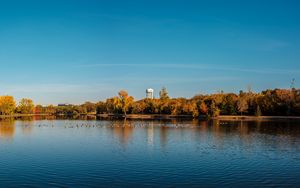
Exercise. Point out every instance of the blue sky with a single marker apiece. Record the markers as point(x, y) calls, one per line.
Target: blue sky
point(72, 51)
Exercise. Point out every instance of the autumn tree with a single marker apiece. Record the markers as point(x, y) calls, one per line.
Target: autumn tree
point(7, 105)
point(38, 109)
point(190, 108)
point(214, 111)
point(242, 105)
point(163, 94)
point(101, 107)
point(139, 107)
point(165, 107)
point(50, 109)
point(151, 106)
point(203, 108)
point(89, 107)
point(258, 111)
point(25, 106)
point(123, 101)
point(110, 105)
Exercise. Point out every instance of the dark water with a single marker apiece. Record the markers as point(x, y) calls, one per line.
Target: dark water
point(100, 153)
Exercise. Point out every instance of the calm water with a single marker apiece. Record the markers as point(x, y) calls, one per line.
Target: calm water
point(101, 153)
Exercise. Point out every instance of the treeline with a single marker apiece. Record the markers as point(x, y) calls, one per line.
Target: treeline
point(8, 106)
point(277, 102)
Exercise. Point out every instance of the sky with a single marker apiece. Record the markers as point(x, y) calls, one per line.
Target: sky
point(67, 51)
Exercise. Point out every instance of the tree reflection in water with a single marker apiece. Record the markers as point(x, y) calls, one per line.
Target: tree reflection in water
point(217, 131)
point(7, 129)
point(123, 130)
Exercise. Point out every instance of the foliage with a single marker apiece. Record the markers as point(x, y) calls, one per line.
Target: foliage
point(89, 107)
point(276, 102)
point(163, 94)
point(25, 106)
point(123, 101)
point(242, 104)
point(7, 105)
point(258, 111)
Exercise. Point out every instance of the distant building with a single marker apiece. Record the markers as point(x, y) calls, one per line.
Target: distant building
point(64, 104)
point(149, 93)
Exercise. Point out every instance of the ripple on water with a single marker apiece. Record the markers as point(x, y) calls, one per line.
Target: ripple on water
point(150, 153)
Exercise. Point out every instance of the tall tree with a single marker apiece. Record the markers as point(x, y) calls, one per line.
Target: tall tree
point(214, 111)
point(124, 101)
point(258, 111)
point(25, 106)
point(7, 105)
point(242, 105)
point(163, 94)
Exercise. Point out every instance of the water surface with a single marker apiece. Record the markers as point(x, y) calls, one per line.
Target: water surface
point(102, 153)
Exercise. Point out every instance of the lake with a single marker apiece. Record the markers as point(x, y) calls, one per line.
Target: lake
point(40, 152)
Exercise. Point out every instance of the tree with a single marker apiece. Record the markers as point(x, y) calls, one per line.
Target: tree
point(258, 111)
point(39, 109)
point(124, 101)
point(25, 106)
point(163, 94)
point(110, 105)
point(214, 111)
point(50, 109)
point(242, 105)
point(203, 108)
point(7, 105)
point(90, 107)
point(190, 108)
point(101, 108)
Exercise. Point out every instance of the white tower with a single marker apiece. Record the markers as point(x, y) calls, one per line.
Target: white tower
point(149, 93)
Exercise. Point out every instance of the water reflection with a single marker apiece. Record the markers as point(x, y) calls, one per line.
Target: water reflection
point(87, 152)
point(150, 133)
point(26, 127)
point(124, 129)
point(163, 136)
point(7, 129)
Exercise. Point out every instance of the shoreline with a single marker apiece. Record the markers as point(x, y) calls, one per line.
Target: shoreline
point(165, 117)
point(146, 116)
point(190, 117)
point(22, 115)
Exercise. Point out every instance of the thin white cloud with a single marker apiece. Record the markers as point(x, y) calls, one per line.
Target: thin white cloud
point(177, 80)
point(55, 88)
point(193, 66)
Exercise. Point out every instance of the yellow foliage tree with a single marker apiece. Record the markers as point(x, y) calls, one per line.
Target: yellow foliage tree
point(7, 105)
point(124, 101)
point(25, 106)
